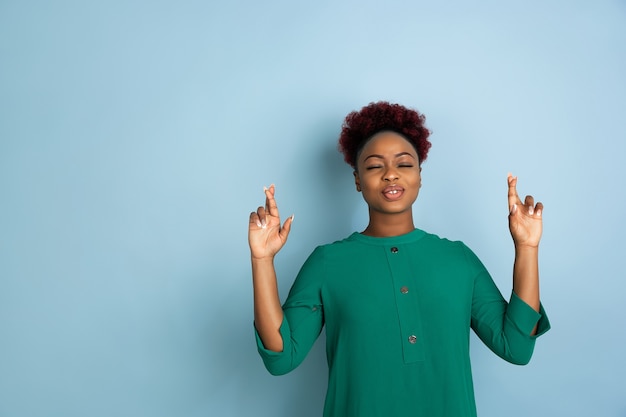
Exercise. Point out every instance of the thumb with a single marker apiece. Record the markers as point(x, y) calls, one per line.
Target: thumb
point(284, 231)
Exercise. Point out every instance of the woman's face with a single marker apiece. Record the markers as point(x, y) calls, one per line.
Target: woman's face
point(388, 173)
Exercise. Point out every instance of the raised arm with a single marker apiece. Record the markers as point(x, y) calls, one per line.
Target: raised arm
point(525, 225)
point(266, 237)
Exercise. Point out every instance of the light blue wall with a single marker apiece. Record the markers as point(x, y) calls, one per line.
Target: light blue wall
point(136, 137)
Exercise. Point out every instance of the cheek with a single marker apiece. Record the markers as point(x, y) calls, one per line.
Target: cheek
point(367, 181)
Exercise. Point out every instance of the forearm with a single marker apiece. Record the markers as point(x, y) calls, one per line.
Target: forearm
point(526, 276)
point(268, 314)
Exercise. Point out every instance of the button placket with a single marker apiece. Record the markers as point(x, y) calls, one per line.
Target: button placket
point(409, 316)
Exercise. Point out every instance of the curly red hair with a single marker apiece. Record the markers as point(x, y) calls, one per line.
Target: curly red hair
point(359, 127)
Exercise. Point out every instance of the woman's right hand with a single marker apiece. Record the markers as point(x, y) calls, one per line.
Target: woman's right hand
point(265, 234)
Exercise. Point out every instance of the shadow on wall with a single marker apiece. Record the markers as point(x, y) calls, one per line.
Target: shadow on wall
point(324, 199)
point(328, 197)
point(319, 188)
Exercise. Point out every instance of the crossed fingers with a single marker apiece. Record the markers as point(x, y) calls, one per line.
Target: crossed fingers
point(271, 208)
point(529, 205)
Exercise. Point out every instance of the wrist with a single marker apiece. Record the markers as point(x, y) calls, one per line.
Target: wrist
point(268, 259)
point(526, 248)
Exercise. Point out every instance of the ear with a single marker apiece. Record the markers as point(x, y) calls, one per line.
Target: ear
point(420, 176)
point(357, 181)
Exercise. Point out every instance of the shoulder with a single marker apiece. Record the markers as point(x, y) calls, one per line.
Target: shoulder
point(435, 242)
point(331, 250)
point(338, 247)
point(459, 251)
point(445, 252)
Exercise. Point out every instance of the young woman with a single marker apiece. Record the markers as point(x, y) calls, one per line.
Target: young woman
point(397, 302)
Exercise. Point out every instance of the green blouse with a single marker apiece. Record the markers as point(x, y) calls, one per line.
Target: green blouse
point(397, 312)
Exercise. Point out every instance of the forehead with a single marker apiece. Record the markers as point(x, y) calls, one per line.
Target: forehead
point(388, 142)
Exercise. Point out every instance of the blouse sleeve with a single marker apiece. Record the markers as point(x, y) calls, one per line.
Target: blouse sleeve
point(303, 318)
point(504, 327)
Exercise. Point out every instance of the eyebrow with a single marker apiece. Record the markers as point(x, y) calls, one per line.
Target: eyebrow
point(398, 155)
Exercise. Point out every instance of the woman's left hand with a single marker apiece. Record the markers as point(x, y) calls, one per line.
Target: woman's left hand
point(525, 221)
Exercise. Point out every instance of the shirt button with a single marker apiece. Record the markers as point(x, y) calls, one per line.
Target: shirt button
point(394, 250)
point(412, 339)
point(404, 290)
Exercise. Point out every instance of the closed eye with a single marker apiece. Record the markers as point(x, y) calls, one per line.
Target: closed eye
point(373, 167)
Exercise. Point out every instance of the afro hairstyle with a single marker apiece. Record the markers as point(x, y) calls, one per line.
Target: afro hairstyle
point(360, 126)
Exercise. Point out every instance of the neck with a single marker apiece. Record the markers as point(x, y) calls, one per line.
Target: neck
point(389, 225)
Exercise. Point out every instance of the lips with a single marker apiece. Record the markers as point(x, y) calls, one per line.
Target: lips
point(393, 192)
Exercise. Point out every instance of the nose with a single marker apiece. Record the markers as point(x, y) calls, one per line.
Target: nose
point(391, 175)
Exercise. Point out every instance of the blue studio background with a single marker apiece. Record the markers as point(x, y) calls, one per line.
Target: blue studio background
point(136, 137)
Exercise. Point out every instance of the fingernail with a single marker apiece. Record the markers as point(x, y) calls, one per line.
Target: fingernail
point(538, 213)
point(531, 210)
point(514, 208)
point(259, 224)
point(293, 216)
point(264, 188)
